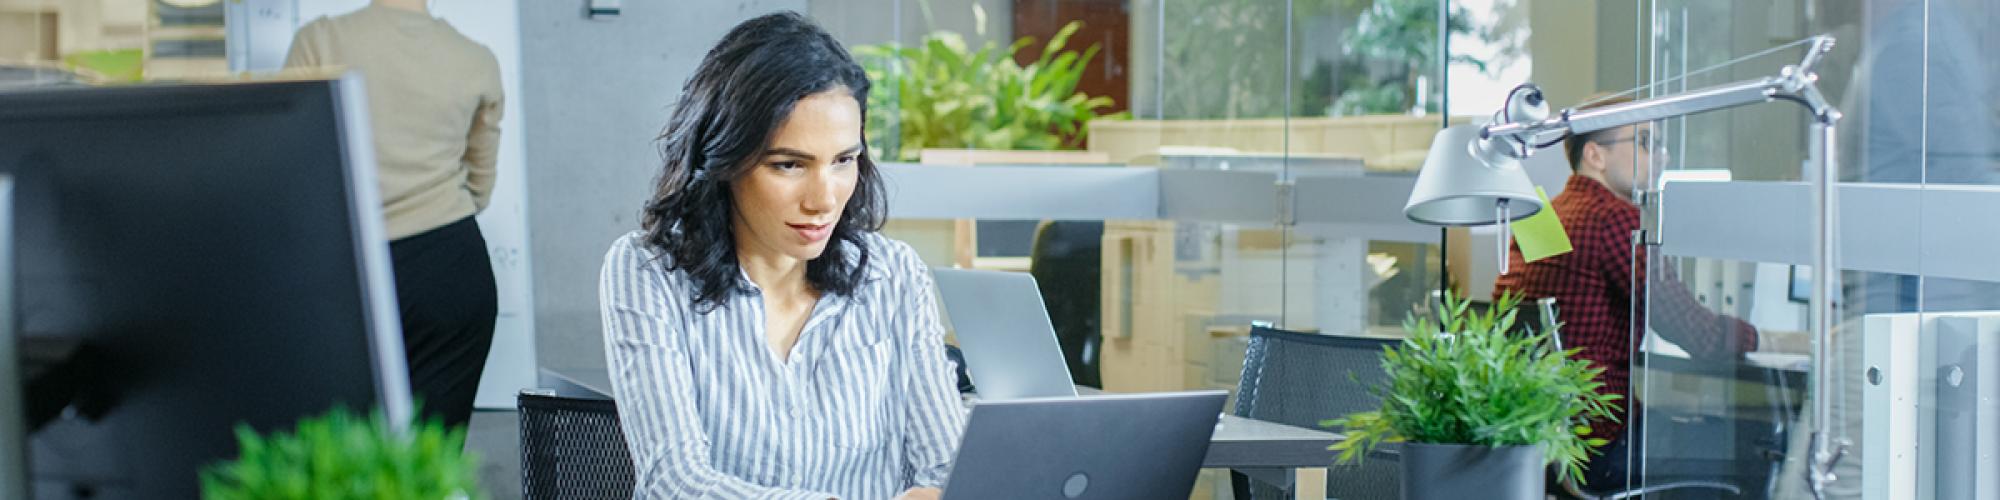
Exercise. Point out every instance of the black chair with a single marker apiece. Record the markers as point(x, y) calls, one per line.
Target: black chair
point(1066, 260)
point(1682, 447)
point(1300, 379)
point(1667, 477)
point(573, 449)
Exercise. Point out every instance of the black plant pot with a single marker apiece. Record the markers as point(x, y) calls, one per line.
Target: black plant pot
point(1456, 471)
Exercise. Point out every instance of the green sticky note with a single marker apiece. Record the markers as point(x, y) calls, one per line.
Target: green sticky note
point(1541, 236)
point(128, 65)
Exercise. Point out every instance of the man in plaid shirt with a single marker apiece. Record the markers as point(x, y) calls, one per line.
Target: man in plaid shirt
point(1595, 283)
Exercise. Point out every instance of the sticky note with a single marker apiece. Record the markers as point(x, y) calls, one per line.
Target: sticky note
point(126, 65)
point(1541, 236)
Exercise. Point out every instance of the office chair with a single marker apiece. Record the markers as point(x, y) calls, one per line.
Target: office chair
point(1750, 470)
point(573, 449)
point(1533, 316)
point(1300, 379)
point(1066, 262)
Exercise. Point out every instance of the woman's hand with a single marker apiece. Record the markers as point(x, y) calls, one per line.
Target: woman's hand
point(921, 494)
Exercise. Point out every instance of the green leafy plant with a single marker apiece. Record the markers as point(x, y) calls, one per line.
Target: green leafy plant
point(1471, 378)
point(343, 456)
point(942, 94)
point(1400, 39)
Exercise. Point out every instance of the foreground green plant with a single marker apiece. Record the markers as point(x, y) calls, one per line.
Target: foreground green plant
point(941, 94)
point(343, 456)
point(1473, 379)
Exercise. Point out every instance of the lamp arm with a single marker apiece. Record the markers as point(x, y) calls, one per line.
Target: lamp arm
point(1730, 95)
point(1793, 83)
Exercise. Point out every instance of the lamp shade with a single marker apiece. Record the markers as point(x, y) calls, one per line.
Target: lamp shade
point(1459, 188)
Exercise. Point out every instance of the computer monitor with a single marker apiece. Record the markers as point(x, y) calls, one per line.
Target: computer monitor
point(214, 254)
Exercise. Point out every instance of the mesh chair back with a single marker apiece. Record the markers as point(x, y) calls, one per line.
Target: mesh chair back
point(573, 449)
point(1300, 379)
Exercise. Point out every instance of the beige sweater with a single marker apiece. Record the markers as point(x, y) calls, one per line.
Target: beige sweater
point(434, 103)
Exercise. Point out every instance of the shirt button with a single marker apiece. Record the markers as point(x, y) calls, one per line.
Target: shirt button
point(798, 479)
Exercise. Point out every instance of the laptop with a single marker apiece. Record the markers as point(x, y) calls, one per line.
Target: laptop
point(1119, 446)
point(1002, 327)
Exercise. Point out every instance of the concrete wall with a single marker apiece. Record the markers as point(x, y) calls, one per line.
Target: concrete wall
point(1623, 48)
point(595, 95)
point(1562, 45)
point(860, 22)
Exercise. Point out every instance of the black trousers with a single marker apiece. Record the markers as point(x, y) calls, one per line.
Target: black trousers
point(1608, 471)
point(1617, 468)
point(444, 287)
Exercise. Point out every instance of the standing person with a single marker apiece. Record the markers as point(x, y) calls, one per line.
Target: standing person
point(764, 340)
point(434, 103)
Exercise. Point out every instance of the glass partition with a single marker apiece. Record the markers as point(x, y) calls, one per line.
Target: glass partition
point(1957, 443)
point(1320, 111)
point(1368, 92)
point(1916, 152)
point(1257, 93)
point(1719, 367)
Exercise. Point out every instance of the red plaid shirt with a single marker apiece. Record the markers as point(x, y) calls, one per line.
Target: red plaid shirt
point(1593, 287)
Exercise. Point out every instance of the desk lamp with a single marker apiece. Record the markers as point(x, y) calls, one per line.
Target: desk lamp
point(1474, 170)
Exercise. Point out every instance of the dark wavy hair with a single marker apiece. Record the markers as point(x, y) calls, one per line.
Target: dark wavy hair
point(745, 87)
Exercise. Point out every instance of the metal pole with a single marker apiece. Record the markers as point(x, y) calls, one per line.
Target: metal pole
point(1285, 232)
point(1160, 61)
point(1826, 451)
point(1501, 215)
point(1444, 64)
point(1444, 122)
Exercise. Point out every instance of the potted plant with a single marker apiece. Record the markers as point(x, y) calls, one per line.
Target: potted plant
point(940, 93)
point(343, 456)
point(1480, 406)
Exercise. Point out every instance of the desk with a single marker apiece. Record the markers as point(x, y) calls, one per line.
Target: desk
point(1238, 443)
point(1718, 419)
point(1756, 367)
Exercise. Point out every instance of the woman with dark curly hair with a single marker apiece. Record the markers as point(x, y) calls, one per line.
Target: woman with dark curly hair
point(764, 340)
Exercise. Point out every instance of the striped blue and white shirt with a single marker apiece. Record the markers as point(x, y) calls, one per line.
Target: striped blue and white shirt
point(864, 408)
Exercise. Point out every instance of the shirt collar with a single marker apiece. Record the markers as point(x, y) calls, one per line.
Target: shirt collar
point(402, 17)
point(828, 302)
point(1593, 192)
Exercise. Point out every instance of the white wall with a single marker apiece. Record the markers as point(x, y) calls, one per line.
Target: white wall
point(495, 23)
point(597, 95)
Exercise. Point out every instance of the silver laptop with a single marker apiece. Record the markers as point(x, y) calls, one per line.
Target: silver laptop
point(1136, 446)
point(1010, 347)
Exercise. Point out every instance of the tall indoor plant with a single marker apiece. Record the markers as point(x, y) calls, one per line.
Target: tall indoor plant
point(1481, 406)
point(940, 93)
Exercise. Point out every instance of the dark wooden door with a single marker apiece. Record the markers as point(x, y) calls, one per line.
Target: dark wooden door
point(1105, 22)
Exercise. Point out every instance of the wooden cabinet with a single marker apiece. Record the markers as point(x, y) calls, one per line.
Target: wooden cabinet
point(1149, 311)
